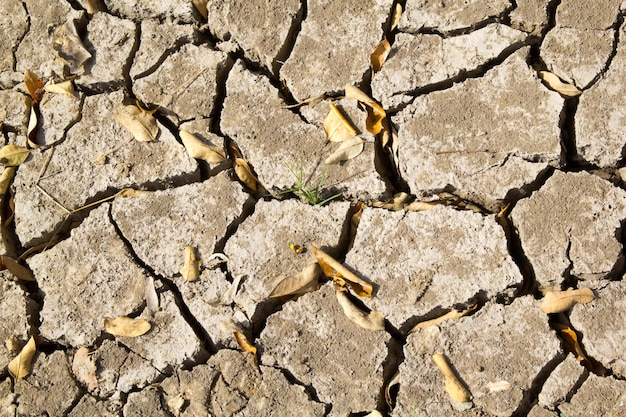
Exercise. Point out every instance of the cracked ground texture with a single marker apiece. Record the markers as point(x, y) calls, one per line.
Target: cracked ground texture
point(486, 192)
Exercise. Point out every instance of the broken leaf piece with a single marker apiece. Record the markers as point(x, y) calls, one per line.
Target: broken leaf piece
point(333, 269)
point(199, 149)
point(374, 320)
point(336, 126)
point(305, 281)
point(126, 327)
point(555, 83)
point(348, 149)
point(498, 386)
point(200, 6)
point(152, 298)
point(398, 202)
point(243, 171)
point(397, 14)
point(559, 301)
point(453, 385)
point(20, 365)
point(19, 271)
point(84, 368)
point(65, 88)
point(70, 47)
point(191, 268)
point(451, 315)
point(34, 85)
point(395, 380)
point(378, 57)
point(375, 113)
point(570, 341)
point(12, 155)
point(6, 178)
point(243, 343)
point(141, 125)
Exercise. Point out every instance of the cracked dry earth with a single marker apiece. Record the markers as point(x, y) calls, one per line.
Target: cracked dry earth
point(493, 190)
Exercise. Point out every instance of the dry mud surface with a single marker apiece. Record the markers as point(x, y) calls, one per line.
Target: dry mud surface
point(487, 192)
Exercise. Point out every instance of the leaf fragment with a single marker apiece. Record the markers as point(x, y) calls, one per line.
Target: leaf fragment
point(556, 84)
point(199, 149)
point(141, 125)
point(498, 386)
point(19, 367)
point(19, 271)
point(84, 368)
point(303, 282)
point(65, 88)
point(152, 298)
point(453, 385)
point(374, 320)
point(244, 173)
point(348, 149)
point(191, 268)
point(333, 269)
point(31, 130)
point(131, 192)
point(243, 343)
point(570, 341)
point(378, 57)
point(126, 327)
point(451, 315)
point(397, 14)
point(559, 301)
point(376, 115)
point(12, 155)
point(34, 85)
point(200, 6)
point(336, 126)
point(6, 178)
point(70, 48)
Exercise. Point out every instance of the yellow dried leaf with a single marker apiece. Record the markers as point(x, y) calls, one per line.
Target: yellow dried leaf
point(422, 205)
point(559, 301)
point(375, 113)
point(348, 149)
point(200, 6)
point(335, 270)
point(191, 268)
point(243, 171)
point(65, 88)
point(34, 85)
point(305, 281)
point(84, 368)
point(6, 178)
point(243, 343)
point(126, 327)
point(570, 341)
point(12, 155)
point(397, 14)
point(378, 57)
point(374, 320)
point(199, 149)
point(555, 83)
point(336, 126)
point(451, 315)
point(453, 385)
point(19, 271)
point(20, 365)
point(141, 125)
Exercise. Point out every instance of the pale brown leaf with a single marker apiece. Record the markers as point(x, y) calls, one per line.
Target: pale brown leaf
point(336, 126)
point(378, 57)
point(451, 315)
point(126, 327)
point(70, 48)
point(348, 149)
point(200, 6)
point(34, 85)
point(243, 343)
point(12, 155)
point(6, 178)
point(333, 269)
point(19, 271)
point(243, 171)
point(555, 83)
point(19, 367)
point(65, 88)
point(199, 149)
point(191, 268)
point(152, 298)
point(374, 320)
point(453, 385)
point(398, 202)
point(376, 115)
point(84, 368)
point(559, 301)
point(303, 282)
point(397, 14)
point(141, 125)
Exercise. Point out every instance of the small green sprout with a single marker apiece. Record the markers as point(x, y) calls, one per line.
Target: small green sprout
point(303, 190)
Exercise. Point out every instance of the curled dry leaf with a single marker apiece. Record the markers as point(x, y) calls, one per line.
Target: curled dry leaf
point(215, 260)
point(348, 149)
point(559, 301)
point(555, 83)
point(243, 343)
point(398, 202)
point(243, 171)
point(395, 380)
point(305, 281)
point(333, 269)
point(376, 115)
point(126, 327)
point(451, 315)
point(374, 320)
point(199, 149)
point(31, 130)
point(65, 88)
point(191, 268)
point(422, 205)
point(152, 298)
point(34, 85)
point(570, 341)
point(141, 125)
point(336, 126)
point(12, 155)
point(397, 14)
point(70, 47)
point(19, 271)
point(453, 385)
point(6, 178)
point(19, 367)
point(84, 368)
point(378, 57)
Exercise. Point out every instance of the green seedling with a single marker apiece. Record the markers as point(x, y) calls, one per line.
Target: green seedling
point(303, 190)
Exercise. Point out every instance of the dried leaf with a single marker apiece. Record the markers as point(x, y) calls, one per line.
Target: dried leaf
point(65, 88)
point(453, 385)
point(395, 380)
point(334, 270)
point(375, 113)
point(305, 281)
point(398, 202)
point(70, 47)
point(94, 6)
point(559, 301)
point(200, 6)
point(12, 155)
point(570, 341)
point(422, 205)
point(20, 365)
point(243, 343)
point(215, 260)
point(374, 320)
point(555, 83)
point(126, 327)
point(152, 298)
point(451, 315)
point(348, 149)
point(243, 171)
point(378, 57)
point(199, 149)
point(336, 126)
point(34, 85)
point(141, 125)
point(191, 268)
point(31, 131)
point(6, 178)
point(498, 386)
point(397, 14)
point(19, 271)
point(84, 368)
point(131, 192)
point(374, 413)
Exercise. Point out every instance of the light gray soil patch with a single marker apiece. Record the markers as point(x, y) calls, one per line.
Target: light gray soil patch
point(585, 403)
point(15, 314)
point(561, 383)
point(13, 26)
